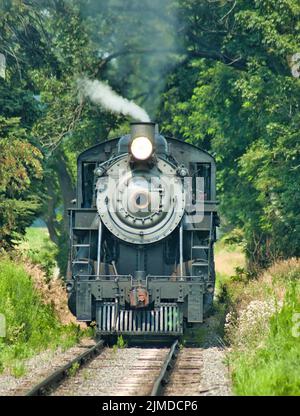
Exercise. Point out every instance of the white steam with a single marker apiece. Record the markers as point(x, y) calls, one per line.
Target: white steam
point(102, 94)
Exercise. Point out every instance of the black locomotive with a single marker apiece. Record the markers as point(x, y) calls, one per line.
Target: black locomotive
point(141, 235)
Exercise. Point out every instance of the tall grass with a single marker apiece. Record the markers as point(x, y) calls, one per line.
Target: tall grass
point(31, 326)
point(38, 247)
point(265, 360)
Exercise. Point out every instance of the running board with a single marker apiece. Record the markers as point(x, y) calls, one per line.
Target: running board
point(166, 319)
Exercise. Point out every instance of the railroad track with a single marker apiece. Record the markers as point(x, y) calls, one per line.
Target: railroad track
point(56, 378)
point(127, 372)
point(181, 373)
point(164, 376)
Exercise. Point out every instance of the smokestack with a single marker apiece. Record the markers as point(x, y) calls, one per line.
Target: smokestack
point(140, 129)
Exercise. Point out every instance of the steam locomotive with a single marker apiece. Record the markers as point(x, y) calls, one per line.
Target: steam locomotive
point(141, 259)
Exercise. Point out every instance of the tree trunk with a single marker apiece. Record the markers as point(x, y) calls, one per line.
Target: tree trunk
point(49, 215)
point(66, 185)
point(66, 192)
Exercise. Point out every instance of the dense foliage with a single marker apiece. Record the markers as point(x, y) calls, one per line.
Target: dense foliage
point(216, 73)
point(20, 166)
point(247, 113)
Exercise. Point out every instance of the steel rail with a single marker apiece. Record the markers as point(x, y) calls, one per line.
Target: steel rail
point(56, 378)
point(165, 371)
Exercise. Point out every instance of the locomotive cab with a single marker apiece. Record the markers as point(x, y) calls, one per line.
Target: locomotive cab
point(141, 236)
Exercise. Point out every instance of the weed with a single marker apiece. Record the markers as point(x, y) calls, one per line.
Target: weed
point(73, 369)
point(241, 275)
point(85, 374)
point(121, 343)
point(18, 369)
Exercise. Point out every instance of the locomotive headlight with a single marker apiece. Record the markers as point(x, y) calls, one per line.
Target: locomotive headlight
point(141, 148)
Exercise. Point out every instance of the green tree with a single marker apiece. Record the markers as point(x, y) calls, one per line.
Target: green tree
point(20, 166)
point(246, 111)
point(20, 157)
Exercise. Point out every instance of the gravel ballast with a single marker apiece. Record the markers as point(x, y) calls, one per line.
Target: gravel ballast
point(39, 367)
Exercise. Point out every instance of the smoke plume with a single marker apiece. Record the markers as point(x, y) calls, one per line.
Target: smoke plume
point(102, 94)
point(143, 40)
